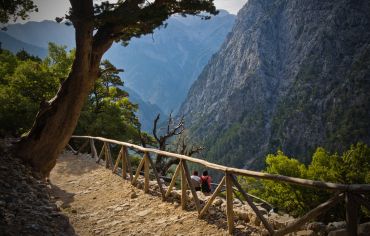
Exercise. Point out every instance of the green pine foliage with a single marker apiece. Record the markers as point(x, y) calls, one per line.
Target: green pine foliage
point(353, 166)
point(108, 111)
point(24, 84)
point(27, 81)
point(12, 10)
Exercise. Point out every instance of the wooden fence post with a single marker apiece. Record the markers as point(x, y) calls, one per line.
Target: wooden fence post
point(110, 156)
point(124, 162)
point(71, 148)
point(173, 181)
point(190, 184)
point(309, 216)
point(229, 203)
point(141, 164)
point(157, 178)
point(82, 147)
point(251, 204)
point(352, 208)
point(183, 187)
point(128, 163)
point(102, 152)
point(94, 153)
point(146, 173)
point(107, 155)
point(214, 195)
point(117, 161)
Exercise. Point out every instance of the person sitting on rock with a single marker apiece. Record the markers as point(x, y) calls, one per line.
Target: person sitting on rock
point(195, 180)
point(205, 181)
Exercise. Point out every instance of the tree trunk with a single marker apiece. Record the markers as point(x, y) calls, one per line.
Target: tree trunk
point(57, 119)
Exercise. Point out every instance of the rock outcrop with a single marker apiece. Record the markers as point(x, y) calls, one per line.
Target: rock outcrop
point(292, 75)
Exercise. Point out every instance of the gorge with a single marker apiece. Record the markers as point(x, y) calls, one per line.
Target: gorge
point(290, 76)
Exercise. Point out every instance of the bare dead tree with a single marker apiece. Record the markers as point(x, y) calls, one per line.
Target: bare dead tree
point(185, 147)
point(182, 144)
point(182, 147)
point(171, 131)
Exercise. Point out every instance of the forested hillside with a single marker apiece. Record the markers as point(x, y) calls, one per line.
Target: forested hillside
point(290, 76)
point(27, 82)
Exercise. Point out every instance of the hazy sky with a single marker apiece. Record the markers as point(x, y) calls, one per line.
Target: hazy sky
point(49, 9)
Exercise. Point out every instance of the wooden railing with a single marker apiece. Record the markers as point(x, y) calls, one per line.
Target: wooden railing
point(350, 194)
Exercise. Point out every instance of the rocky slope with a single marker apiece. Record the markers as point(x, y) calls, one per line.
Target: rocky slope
point(291, 76)
point(26, 207)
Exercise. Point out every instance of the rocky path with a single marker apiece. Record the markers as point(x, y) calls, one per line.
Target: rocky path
point(100, 203)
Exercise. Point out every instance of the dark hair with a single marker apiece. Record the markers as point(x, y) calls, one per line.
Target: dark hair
point(195, 172)
point(205, 173)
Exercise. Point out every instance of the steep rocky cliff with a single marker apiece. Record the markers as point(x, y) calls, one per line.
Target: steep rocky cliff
point(292, 75)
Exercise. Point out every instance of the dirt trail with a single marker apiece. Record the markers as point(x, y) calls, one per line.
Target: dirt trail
point(100, 203)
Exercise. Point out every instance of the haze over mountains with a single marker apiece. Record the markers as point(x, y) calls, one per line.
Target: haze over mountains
point(290, 76)
point(41, 33)
point(159, 68)
point(14, 45)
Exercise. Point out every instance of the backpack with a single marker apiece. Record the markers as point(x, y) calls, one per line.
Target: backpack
point(205, 187)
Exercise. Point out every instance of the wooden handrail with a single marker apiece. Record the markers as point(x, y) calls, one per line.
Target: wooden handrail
point(351, 192)
point(242, 172)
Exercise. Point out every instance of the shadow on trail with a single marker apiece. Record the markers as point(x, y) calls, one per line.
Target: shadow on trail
point(69, 167)
point(62, 195)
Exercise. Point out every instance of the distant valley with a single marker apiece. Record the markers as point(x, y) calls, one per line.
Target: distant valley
point(159, 68)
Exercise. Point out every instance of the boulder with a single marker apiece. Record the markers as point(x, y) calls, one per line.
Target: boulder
point(218, 202)
point(336, 225)
point(176, 194)
point(237, 202)
point(153, 183)
point(262, 210)
point(211, 212)
point(139, 185)
point(241, 215)
point(279, 221)
point(253, 219)
point(317, 227)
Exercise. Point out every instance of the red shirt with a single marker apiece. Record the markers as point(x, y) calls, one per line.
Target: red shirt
point(206, 178)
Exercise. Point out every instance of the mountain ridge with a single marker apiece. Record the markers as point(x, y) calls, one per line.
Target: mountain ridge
point(14, 45)
point(160, 67)
point(283, 80)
